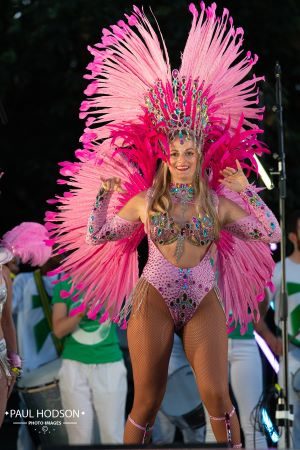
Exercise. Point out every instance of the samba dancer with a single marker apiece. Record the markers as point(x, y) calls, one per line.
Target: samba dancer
point(10, 363)
point(38, 348)
point(197, 124)
point(25, 241)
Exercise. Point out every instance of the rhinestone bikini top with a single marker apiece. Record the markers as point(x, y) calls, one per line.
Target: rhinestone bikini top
point(164, 230)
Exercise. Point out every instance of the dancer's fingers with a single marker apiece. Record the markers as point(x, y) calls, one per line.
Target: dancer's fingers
point(238, 165)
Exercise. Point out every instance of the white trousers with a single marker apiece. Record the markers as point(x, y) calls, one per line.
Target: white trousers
point(164, 430)
point(99, 392)
point(245, 375)
point(294, 397)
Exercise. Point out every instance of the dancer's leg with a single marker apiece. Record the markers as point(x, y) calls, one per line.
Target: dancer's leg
point(150, 340)
point(4, 387)
point(205, 343)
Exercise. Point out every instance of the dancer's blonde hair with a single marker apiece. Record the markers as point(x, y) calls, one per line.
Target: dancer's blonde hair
point(160, 199)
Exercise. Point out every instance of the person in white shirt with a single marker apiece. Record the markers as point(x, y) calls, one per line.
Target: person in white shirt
point(35, 340)
point(293, 325)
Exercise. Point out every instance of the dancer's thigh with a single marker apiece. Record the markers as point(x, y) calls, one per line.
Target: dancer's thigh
point(150, 339)
point(3, 394)
point(206, 345)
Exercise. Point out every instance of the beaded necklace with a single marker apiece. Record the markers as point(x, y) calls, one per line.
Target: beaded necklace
point(182, 193)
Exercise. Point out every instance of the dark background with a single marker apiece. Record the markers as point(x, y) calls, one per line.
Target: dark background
point(43, 57)
point(42, 61)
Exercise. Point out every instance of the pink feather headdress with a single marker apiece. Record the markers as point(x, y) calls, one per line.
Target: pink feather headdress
point(178, 109)
point(29, 242)
point(131, 73)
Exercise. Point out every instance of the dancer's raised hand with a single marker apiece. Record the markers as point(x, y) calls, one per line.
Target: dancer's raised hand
point(234, 179)
point(112, 184)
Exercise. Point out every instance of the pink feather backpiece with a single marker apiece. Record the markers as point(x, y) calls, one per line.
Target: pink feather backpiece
point(213, 53)
point(245, 269)
point(92, 269)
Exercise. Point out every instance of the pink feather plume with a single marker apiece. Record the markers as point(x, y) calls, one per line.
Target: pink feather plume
point(248, 266)
point(28, 241)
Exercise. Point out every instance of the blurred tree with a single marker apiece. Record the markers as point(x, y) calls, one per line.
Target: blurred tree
point(43, 57)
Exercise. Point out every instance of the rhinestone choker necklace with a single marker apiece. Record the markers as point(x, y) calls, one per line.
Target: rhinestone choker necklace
point(182, 193)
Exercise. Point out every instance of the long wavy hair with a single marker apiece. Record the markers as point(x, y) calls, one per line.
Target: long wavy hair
point(160, 200)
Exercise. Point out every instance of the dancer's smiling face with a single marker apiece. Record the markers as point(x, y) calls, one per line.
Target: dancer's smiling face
point(183, 160)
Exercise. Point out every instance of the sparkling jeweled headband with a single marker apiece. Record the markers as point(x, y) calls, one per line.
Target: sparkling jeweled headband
point(180, 108)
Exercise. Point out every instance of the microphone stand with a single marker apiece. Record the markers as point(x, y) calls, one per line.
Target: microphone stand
point(284, 411)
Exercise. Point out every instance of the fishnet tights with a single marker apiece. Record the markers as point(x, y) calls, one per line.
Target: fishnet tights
point(206, 346)
point(150, 338)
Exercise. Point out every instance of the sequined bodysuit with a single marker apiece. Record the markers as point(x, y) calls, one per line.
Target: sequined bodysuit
point(182, 289)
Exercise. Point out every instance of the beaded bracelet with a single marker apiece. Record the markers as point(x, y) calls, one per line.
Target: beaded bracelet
point(249, 194)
